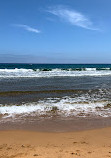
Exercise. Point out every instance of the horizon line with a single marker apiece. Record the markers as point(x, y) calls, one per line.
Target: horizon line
point(52, 63)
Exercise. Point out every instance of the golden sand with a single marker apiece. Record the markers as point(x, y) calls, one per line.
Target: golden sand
point(30, 144)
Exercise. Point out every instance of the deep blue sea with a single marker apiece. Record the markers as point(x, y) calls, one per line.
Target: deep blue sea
point(79, 90)
point(53, 66)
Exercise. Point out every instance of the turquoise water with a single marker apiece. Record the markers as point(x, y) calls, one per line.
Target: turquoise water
point(53, 66)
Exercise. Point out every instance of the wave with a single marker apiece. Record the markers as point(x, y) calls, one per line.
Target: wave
point(90, 103)
point(66, 106)
point(54, 72)
point(74, 69)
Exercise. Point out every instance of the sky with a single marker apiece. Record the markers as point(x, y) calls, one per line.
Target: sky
point(55, 31)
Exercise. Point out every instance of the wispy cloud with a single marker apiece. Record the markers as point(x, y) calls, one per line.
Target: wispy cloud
point(27, 28)
point(73, 17)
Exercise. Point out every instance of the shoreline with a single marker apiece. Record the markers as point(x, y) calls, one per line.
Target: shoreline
point(56, 124)
point(85, 144)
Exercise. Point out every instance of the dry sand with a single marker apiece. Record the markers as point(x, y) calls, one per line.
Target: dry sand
point(30, 144)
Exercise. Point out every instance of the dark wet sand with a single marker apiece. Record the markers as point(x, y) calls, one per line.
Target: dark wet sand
point(56, 124)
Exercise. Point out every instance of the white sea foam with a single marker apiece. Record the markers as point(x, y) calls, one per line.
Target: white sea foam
point(8, 73)
point(90, 69)
point(65, 106)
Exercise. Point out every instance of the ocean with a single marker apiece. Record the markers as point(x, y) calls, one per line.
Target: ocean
point(39, 91)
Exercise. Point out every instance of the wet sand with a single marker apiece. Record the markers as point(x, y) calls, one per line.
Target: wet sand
point(56, 138)
point(29, 144)
point(54, 123)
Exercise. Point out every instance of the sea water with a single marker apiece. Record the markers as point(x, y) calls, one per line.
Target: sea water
point(79, 90)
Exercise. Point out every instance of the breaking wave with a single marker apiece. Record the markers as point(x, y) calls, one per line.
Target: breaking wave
point(6, 73)
point(66, 106)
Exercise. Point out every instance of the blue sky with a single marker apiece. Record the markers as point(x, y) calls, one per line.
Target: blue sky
point(55, 31)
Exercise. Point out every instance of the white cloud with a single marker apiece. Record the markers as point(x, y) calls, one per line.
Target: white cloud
point(73, 17)
point(27, 28)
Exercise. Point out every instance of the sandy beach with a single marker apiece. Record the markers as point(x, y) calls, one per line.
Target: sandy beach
point(28, 144)
point(55, 111)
